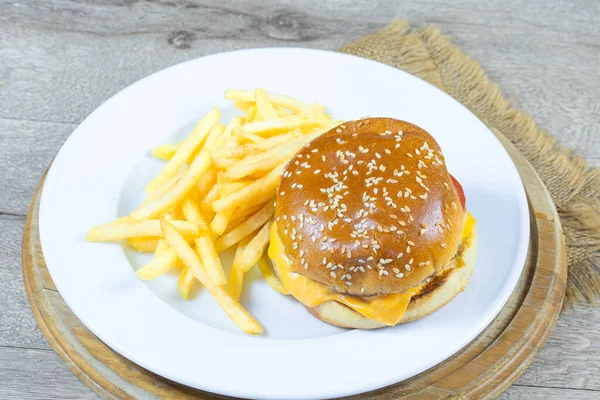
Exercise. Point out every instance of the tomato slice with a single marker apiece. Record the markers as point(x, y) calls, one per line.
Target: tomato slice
point(460, 192)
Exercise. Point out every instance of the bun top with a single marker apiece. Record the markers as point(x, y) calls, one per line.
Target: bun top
point(369, 208)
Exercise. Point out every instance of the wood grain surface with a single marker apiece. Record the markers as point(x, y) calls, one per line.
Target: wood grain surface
point(61, 59)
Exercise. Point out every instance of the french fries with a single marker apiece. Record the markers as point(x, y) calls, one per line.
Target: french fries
point(185, 283)
point(200, 165)
point(166, 151)
point(126, 230)
point(280, 125)
point(164, 258)
point(290, 103)
point(246, 228)
point(205, 247)
point(257, 192)
point(190, 259)
point(254, 250)
point(216, 190)
point(236, 275)
point(187, 148)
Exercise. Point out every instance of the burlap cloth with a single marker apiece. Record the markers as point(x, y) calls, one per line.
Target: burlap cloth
point(574, 187)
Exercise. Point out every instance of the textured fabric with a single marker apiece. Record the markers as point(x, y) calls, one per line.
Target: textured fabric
point(574, 187)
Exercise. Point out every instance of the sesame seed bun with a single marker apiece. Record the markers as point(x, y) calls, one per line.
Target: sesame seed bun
point(436, 294)
point(369, 208)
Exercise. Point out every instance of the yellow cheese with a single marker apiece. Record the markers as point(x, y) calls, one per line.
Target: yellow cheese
point(468, 227)
point(387, 309)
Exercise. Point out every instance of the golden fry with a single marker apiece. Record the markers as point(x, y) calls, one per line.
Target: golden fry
point(243, 105)
point(163, 259)
point(144, 244)
point(250, 113)
point(220, 221)
point(185, 283)
point(164, 187)
point(199, 166)
point(254, 249)
point(213, 137)
point(247, 227)
point(236, 275)
point(280, 125)
point(194, 141)
point(166, 151)
point(205, 246)
point(264, 108)
point(124, 230)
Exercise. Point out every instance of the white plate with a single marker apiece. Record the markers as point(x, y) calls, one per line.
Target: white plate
point(99, 175)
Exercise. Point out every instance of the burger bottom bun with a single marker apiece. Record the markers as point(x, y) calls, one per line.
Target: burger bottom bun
point(433, 297)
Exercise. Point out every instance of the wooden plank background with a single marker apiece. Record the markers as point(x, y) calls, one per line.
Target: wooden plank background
point(60, 59)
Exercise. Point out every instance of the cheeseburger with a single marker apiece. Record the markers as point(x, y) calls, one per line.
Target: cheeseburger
point(370, 228)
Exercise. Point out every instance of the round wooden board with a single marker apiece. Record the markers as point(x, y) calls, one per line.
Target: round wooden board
point(483, 369)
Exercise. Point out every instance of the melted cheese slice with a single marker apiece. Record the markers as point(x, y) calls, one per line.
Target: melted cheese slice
point(387, 309)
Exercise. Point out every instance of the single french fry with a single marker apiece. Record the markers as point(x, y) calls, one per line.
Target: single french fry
point(189, 257)
point(243, 105)
point(164, 258)
point(267, 272)
point(144, 244)
point(166, 151)
point(213, 137)
point(125, 230)
point(206, 183)
point(279, 100)
point(250, 113)
point(257, 192)
point(246, 228)
point(185, 283)
point(194, 141)
point(205, 246)
point(220, 221)
point(254, 249)
point(148, 244)
point(199, 166)
point(236, 275)
point(280, 125)
point(164, 187)
point(264, 108)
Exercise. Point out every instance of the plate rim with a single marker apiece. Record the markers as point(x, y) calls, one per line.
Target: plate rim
point(80, 130)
